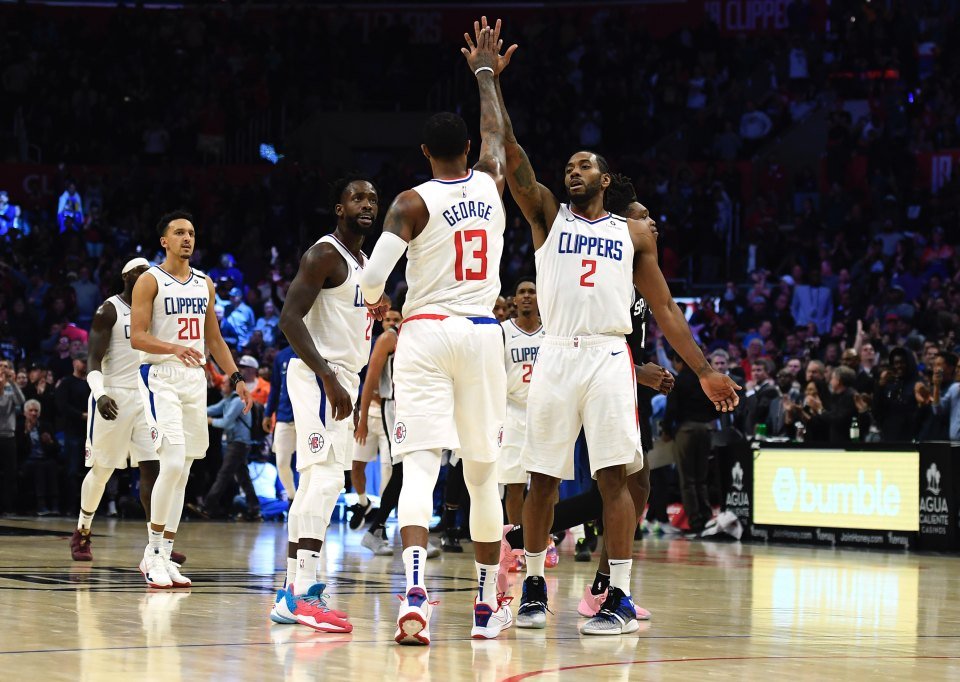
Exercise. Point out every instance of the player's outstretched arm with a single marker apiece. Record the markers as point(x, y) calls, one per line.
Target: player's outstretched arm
point(482, 60)
point(99, 341)
point(405, 218)
point(720, 389)
point(316, 266)
point(386, 344)
point(219, 348)
point(141, 312)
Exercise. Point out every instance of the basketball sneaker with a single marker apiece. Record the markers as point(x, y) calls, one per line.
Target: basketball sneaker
point(583, 551)
point(376, 541)
point(311, 609)
point(413, 623)
point(450, 541)
point(432, 550)
point(533, 604)
point(279, 612)
point(176, 578)
point(617, 616)
point(590, 605)
point(153, 566)
point(80, 546)
point(487, 623)
point(553, 556)
point(359, 512)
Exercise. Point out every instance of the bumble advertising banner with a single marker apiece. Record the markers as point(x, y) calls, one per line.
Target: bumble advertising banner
point(837, 489)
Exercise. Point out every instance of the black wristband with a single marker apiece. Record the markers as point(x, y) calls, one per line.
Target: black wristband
point(235, 379)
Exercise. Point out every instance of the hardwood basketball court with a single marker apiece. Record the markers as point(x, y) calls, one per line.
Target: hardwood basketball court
point(720, 611)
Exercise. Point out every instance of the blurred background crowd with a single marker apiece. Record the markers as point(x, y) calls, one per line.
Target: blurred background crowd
point(800, 173)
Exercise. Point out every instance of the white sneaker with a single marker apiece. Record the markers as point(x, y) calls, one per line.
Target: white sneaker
point(432, 550)
point(413, 623)
point(153, 566)
point(377, 543)
point(176, 578)
point(487, 623)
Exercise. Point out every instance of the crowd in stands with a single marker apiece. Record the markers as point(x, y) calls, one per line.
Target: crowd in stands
point(839, 299)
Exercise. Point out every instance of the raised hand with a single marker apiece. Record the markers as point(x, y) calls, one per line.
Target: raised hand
point(483, 54)
point(503, 60)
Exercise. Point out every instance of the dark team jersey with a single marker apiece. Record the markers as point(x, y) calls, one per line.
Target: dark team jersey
point(636, 340)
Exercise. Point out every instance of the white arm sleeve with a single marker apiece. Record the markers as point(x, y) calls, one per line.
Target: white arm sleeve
point(385, 255)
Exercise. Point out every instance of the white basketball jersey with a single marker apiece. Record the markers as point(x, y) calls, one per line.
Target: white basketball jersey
point(453, 266)
point(121, 362)
point(585, 276)
point(179, 311)
point(520, 350)
point(338, 320)
point(385, 387)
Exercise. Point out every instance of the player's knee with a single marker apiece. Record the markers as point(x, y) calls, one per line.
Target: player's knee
point(543, 485)
point(612, 479)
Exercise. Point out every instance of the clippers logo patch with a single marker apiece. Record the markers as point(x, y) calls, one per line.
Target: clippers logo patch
point(500, 438)
point(399, 432)
point(87, 454)
point(315, 442)
point(154, 434)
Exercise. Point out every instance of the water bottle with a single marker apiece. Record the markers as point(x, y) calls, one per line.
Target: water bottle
point(801, 431)
point(855, 429)
point(761, 431)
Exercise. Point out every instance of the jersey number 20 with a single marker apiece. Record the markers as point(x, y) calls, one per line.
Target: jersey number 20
point(189, 328)
point(479, 254)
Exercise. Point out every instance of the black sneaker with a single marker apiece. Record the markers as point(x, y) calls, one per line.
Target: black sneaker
point(583, 551)
point(359, 512)
point(450, 541)
point(533, 604)
point(590, 533)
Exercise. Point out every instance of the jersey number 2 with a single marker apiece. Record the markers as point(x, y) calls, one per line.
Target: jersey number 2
point(590, 269)
point(189, 328)
point(527, 371)
point(479, 253)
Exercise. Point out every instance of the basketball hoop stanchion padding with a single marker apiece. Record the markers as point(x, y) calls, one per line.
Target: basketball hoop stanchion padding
point(939, 496)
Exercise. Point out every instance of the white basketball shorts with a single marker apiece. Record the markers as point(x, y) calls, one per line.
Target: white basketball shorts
point(510, 465)
point(450, 386)
point(319, 435)
point(284, 438)
point(586, 381)
point(174, 401)
point(377, 441)
point(109, 442)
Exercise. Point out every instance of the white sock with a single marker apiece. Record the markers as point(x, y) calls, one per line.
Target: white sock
point(363, 499)
point(84, 521)
point(535, 563)
point(415, 563)
point(620, 574)
point(577, 533)
point(487, 578)
point(306, 570)
point(291, 577)
point(167, 547)
point(155, 538)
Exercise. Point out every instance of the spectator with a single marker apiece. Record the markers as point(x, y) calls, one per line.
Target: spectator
point(688, 419)
point(70, 209)
point(266, 483)
point(11, 401)
point(268, 325)
point(88, 297)
point(238, 320)
point(754, 124)
point(227, 271)
point(10, 227)
point(894, 400)
point(760, 396)
point(946, 393)
point(776, 416)
point(813, 302)
point(228, 415)
point(727, 145)
point(841, 410)
point(38, 389)
point(38, 449)
point(257, 386)
point(62, 362)
point(73, 401)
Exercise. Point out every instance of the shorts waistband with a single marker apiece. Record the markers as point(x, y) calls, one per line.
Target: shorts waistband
point(170, 369)
point(433, 316)
point(586, 341)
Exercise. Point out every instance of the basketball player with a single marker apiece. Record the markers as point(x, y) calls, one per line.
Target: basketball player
point(587, 263)
point(373, 425)
point(449, 375)
point(284, 430)
point(328, 326)
point(170, 320)
point(522, 337)
point(115, 424)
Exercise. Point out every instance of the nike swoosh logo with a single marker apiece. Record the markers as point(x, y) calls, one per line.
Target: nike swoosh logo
point(514, 336)
point(166, 284)
point(617, 353)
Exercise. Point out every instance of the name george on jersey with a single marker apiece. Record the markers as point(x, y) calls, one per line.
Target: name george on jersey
point(467, 209)
point(581, 244)
point(185, 305)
